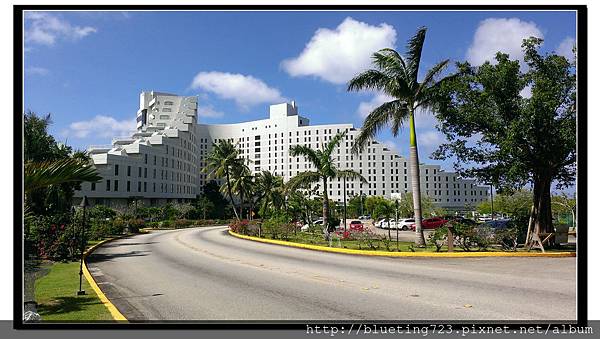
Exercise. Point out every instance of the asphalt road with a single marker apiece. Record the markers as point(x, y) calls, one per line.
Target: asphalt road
point(206, 274)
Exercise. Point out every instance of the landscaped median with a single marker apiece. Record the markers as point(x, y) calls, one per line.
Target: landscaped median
point(463, 254)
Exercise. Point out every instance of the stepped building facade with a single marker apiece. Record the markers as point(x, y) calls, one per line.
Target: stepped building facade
point(163, 160)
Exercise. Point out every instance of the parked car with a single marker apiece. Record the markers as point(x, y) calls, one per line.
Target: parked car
point(357, 225)
point(461, 220)
point(364, 217)
point(315, 223)
point(430, 223)
point(404, 224)
point(383, 223)
point(498, 224)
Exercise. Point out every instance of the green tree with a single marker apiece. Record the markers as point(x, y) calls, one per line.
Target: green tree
point(211, 191)
point(406, 207)
point(270, 192)
point(563, 204)
point(397, 77)
point(204, 205)
point(324, 170)
point(242, 184)
point(385, 209)
point(371, 203)
point(512, 140)
point(221, 162)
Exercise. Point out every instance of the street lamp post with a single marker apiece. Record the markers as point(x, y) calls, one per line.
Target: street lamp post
point(345, 216)
point(492, 196)
point(397, 225)
point(84, 204)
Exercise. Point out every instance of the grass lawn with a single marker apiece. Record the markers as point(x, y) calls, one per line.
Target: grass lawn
point(56, 295)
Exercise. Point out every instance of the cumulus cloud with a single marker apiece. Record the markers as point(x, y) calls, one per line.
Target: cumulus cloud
point(245, 90)
point(100, 126)
point(45, 29)
point(209, 112)
point(339, 54)
point(500, 34)
point(36, 71)
point(566, 48)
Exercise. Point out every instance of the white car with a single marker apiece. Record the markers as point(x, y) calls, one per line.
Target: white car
point(383, 223)
point(315, 223)
point(404, 224)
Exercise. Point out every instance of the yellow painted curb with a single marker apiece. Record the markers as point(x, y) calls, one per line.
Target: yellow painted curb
point(405, 254)
point(114, 312)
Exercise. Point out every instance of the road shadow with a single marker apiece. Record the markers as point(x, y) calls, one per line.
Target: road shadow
point(121, 244)
point(99, 257)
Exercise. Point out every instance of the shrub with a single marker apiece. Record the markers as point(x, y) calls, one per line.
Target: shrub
point(182, 223)
point(465, 235)
point(507, 238)
point(484, 237)
point(244, 227)
point(438, 238)
point(52, 237)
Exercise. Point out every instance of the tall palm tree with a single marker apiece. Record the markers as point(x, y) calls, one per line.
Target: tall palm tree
point(324, 170)
point(43, 174)
point(220, 163)
point(270, 190)
point(397, 77)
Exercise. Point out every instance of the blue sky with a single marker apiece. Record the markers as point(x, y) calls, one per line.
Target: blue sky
point(88, 68)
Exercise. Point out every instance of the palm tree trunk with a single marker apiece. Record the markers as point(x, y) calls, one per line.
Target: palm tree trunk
point(231, 195)
point(325, 208)
point(416, 181)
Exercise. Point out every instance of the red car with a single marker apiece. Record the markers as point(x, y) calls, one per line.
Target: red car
point(357, 225)
point(430, 223)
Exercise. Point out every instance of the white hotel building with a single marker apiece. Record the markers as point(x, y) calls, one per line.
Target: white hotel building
point(163, 161)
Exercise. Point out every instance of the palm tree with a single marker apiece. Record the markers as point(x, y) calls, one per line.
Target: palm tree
point(324, 169)
point(242, 183)
point(397, 77)
point(385, 209)
point(220, 163)
point(270, 188)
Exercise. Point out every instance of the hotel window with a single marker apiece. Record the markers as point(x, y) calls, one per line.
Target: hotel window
point(145, 185)
point(116, 169)
point(166, 110)
point(93, 186)
point(116, 185)
point(128, 186)
point(139, 186)
point(145, 172)
point(128, 171)
point(168, 103)
point(108, 185)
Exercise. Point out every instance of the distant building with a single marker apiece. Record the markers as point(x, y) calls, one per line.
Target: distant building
point(162, 161)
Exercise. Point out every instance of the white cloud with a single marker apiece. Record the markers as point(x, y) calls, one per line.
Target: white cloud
point(338, 55)
point(366, 107)
point(393, 146)
point(526, 92)
point(36, 71)
point(500, 34)
point(566, 48)
point(100, 126)
point(46, 29)
point(430, 139)
point(245, 90)
point(209, 112)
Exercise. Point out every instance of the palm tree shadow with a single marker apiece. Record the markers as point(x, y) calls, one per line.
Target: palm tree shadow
point(67, 304)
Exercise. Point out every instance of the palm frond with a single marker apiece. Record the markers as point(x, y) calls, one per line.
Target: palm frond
point(307, 152)
point(369, 79)
point(413, 54)
point(431, 75)
point(333, 143)
point(351, 175)
point(390, 62)
point(394, 112)
point(44, 174)
point(302, 179)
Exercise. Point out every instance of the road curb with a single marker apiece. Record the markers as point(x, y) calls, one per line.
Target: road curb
point(405, 254)
point(114, 312)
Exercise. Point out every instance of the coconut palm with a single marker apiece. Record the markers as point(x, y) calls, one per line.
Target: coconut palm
point(397, 77)
point(324, 170)
point(220, 163)
point(270, 191)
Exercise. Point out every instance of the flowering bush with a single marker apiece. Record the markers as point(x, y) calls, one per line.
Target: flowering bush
point(53, 238)
point(244, 227)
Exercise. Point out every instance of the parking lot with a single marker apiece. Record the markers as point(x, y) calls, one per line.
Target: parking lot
point(402, 235)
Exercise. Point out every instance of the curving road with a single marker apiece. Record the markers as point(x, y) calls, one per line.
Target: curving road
point(206, 274)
